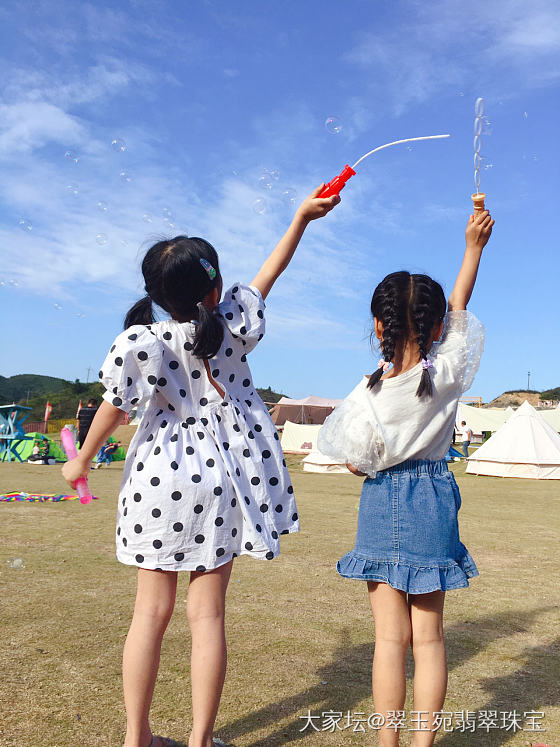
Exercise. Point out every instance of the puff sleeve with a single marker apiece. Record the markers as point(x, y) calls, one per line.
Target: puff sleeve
point(243, 313)
point(351, 434)
point(131, 369)
point(461, 346)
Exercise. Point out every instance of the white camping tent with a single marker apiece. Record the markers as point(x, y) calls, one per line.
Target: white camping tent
point(525, 446)
point(552, 417)
point(298, 438)
point(480, 419)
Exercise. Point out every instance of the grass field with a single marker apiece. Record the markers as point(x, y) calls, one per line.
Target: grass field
point(300, 637)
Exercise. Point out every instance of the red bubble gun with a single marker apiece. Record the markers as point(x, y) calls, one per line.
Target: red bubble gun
point(334, 186)
point(67, 438)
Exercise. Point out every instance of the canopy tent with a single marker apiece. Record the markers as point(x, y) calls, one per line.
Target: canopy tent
point(318, 462)
point(526, 446)
point(480, 419)
point(298, 438)
point(308, 410)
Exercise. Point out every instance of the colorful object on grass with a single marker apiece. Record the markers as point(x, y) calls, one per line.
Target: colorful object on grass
point(67, 438)
point(40, 497)
point(336, 184)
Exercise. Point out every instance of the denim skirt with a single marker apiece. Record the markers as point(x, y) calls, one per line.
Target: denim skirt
point(408, 534)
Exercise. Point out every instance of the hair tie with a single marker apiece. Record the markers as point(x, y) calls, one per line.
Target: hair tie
point(427, 363)
point(208, 267)
point(385, 365)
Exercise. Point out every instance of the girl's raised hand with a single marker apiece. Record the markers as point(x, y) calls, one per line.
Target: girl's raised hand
point(316, 207)
point(479, 229)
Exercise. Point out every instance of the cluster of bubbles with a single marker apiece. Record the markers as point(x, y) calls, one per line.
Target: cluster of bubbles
point(268, 181)
point(482, 126)
point(25, 225)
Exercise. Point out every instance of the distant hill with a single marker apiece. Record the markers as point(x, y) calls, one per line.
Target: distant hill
point(516, 398)
point(34, 390)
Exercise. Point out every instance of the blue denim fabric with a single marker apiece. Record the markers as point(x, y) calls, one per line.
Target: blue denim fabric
point(408, 534)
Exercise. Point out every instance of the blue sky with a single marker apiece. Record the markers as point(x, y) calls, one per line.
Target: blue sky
point(207, 97)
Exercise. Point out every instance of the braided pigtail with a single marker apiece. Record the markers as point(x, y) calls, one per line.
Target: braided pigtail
point(426, 309)
point(389, 305)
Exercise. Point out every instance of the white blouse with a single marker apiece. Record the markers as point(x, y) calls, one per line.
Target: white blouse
point(373, 429)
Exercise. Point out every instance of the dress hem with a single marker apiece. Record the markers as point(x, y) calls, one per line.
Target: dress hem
point(414, 579)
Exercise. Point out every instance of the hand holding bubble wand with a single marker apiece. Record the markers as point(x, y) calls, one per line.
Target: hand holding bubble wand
point(67, 438)
point(336, 184)
point(478, 197)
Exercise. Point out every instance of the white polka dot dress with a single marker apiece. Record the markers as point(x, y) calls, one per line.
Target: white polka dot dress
point(205, 478)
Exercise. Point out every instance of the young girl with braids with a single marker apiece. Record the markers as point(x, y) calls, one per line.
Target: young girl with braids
point(395, 429)
point(205, 479)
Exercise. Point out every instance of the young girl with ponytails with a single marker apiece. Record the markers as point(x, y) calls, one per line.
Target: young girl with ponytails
point(205, 479)
point(395, 429)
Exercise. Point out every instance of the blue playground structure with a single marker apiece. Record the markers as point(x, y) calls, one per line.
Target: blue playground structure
point(12, 418)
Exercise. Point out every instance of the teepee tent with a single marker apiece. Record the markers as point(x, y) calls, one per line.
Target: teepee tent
point(480, 419)
point(525, 446)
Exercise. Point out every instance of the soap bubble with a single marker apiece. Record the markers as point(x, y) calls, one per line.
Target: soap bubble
point(101, 239)
point(167, 214)
point(333, 125)
point(488, 166)
point(17, 563)
point(265, 180)
point(25, 225)
point(147, 217)
point(118, 145)
point(71, 156)
point(124, 242)
point(479, 107)
point(72, 189)
point(275, 174)
point(171, 225)
point(409, 148)
point(461, 93)
point(102, 206)
point(125, 176)
point(80, 315)
point(525, 115)
point(57, 306)
point(477, 126)
point(259, 206)
point(2, 283)
point(476, 143)
point(14, 283)
point(477, 160)
point(487, 126)
point(289, 196)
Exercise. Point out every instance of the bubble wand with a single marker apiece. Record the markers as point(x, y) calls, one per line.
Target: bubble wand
point(336, 184)
point(478, 197)
point(67, 438)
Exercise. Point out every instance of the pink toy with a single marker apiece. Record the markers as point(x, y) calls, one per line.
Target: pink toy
point(67, 438)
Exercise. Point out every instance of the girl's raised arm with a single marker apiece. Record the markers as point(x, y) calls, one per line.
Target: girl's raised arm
point(310, 209)
point(477, 233)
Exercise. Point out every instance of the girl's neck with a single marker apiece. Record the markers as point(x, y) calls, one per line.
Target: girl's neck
point(406, 357)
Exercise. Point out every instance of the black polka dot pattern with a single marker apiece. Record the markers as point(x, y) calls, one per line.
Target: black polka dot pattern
point(202, 487)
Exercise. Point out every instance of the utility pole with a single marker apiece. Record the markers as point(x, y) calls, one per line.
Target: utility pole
point(88, 373)
point(528, 379)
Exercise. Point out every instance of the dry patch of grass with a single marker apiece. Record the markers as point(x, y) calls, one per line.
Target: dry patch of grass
point(300, 637)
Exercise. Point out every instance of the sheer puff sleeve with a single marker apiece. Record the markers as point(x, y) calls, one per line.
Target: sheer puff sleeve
point(461, 346)
point(131, 369)
point(243, 313)
point(351, 433)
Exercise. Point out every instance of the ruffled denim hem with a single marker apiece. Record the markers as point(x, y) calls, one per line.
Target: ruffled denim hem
point(406, 577)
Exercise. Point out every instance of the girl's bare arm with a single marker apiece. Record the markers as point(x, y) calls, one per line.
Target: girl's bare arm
point(477, 233)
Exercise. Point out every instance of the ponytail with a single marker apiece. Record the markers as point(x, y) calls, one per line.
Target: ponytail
point(209, 333)
point(141, 313)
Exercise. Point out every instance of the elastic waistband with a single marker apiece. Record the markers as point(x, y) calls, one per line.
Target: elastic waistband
point(418, 467)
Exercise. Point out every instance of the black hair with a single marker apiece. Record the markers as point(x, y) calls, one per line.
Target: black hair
point(409, 306)
point(176, 280)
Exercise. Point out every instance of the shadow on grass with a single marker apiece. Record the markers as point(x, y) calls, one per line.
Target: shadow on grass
point(348, 678)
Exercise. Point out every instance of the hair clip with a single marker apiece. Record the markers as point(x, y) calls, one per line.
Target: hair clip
point(427, 363)
point(208, 267)
point(385, 365)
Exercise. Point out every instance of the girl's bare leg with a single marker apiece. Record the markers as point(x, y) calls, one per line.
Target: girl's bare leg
point(392, 638)
point(206, 616)
point(430, 664)
point(155, 598)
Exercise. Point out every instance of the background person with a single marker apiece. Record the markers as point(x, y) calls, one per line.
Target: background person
point(85, 419)
point(466, 437)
